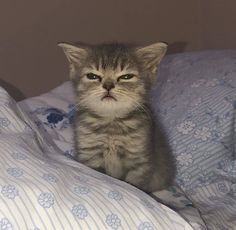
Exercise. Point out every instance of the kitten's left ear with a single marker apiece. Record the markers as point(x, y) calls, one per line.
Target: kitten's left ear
point(150, 56)
point(75, 55)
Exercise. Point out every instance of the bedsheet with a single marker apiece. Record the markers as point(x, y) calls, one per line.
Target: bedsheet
point(53, 114)
point(41, 188)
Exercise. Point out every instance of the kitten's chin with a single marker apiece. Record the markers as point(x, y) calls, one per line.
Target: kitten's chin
point(111, 108)
point(107, 98)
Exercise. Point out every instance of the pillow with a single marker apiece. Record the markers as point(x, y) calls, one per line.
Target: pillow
point(195, 102)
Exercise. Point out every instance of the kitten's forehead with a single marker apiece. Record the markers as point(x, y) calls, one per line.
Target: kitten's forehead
point(112, 56)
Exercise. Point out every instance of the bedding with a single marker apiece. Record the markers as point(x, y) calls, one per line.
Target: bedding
point(194, 100)
point(42, 188)
point(197, 95)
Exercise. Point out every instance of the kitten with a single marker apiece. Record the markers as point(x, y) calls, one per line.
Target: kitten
point(114, 130)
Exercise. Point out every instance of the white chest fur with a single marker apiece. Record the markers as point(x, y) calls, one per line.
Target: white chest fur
point(114, 146)
point(112, 161)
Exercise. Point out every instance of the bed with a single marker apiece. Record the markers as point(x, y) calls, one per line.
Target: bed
point(194, 100)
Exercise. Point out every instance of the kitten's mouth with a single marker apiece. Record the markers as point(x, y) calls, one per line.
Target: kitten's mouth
point(108, 96)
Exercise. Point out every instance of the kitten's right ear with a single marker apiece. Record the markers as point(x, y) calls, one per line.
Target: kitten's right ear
point(75, 55)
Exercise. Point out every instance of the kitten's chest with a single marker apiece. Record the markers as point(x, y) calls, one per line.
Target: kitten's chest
point(113, 156)
point(111, 146)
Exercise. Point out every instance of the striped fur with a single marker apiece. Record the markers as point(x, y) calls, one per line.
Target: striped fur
point(114, 134)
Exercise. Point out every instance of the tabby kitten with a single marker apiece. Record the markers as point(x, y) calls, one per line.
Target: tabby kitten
point(114, 130)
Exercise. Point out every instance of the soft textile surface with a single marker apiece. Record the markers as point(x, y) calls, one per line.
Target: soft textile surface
point(40, 188)
point(195, 102)
point(53, 114)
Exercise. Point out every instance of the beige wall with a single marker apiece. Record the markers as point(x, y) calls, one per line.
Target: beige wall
point(31, 62)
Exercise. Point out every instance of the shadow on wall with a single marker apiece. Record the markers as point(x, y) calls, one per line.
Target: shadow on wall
point(12, 90)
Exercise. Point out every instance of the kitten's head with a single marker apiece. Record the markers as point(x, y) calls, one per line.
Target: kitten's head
point(113, 79)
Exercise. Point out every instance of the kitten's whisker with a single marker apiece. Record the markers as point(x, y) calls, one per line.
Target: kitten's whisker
point(139, 106)
point(84, 100)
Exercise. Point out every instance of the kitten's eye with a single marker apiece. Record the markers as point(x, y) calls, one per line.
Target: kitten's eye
point(92, 76)
point(126, 77)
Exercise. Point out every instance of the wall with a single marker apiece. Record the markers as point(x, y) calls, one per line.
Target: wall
point(31, 63)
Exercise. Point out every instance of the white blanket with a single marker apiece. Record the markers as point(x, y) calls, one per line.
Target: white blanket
point(40, 188)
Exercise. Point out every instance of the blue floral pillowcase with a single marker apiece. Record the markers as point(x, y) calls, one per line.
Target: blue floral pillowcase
point(195, 102)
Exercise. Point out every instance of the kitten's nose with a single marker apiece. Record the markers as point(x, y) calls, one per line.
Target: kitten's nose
point(108, 85)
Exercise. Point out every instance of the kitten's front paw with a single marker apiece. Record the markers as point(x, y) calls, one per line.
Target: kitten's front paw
point(159, 182)
point(138, 181)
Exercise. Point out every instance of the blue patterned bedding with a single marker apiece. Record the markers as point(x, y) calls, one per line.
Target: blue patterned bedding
point(42, 188)
point(195, 102)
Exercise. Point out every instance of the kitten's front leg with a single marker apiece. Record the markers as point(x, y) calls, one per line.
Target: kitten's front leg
point(140, 176)
point(113, 164)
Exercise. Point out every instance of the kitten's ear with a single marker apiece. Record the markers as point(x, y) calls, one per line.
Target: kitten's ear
point(150, 56)
point(75, 55)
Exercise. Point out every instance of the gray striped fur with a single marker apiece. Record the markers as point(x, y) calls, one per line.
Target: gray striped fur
point(116, 135)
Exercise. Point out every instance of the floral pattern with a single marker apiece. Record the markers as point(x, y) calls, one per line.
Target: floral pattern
point(15, 172)
point(115, 195)
point(186, 127)
point(204, 134)
point(185, 159)
point(46, 200)
point(55, 118)
point(5, 224)
point(145, 226)
point(222, 187)
point(113, 221)
point(50, 177)
point(81, 190)
point(4, 122)
point(79, 211)
point(10, 191)
point(19, 156)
